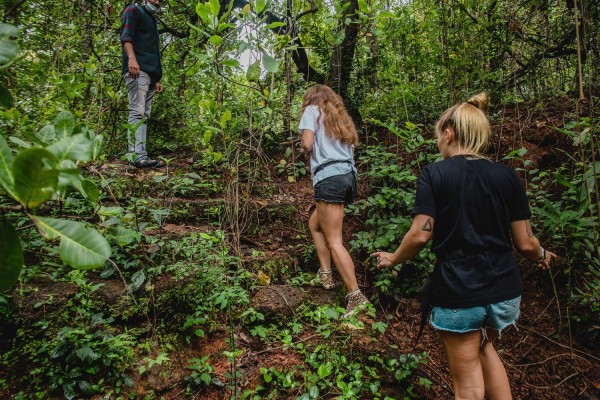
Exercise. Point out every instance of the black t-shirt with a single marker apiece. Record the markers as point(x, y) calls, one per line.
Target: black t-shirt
point(473, 201)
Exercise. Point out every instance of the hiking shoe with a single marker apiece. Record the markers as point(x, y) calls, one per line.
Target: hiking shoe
point(324, 279)
point(144, 162)
point(356, 303)
point(159, 164)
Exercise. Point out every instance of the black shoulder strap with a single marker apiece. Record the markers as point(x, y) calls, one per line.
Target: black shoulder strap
point(426, 298)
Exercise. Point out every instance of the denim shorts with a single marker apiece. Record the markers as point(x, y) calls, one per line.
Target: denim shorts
point(337, 189)
point(496, 316)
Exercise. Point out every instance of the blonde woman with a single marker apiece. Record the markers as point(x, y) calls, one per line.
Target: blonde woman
point(329, 135)
point(476, 210)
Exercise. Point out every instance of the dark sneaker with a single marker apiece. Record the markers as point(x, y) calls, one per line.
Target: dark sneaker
point(144, 162)
point(324, 279)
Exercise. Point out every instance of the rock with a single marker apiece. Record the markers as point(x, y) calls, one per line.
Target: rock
point(281, 300)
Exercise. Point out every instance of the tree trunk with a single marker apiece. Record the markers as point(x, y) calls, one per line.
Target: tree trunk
point(342, 61)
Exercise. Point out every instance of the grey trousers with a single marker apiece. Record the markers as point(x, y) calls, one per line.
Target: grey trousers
point(140, 91)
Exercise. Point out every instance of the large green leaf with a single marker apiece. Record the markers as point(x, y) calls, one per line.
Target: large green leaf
point(216, 40)
point(6, 98)
point(339, 38)
point(275, 24)
point(12, 255)
point(215, 7)
point(47, 134)
point(231, 63)
point(226, 117)
point(64, 124)
point(203, 11)
point(253, 71)
point(6, 177)
point(87, 188)
point(81, 246)
point(97, 146)
point(19, 142)
point(270, 64)
point(34, 183)
point(27, 134)
point(259, 6)
point(9, 48)
point(68, 176)
point(124, 236)
point(76, 148)
point(364, 7)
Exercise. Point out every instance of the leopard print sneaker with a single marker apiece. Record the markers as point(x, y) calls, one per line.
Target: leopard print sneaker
point(356, 303)
point(324, 279)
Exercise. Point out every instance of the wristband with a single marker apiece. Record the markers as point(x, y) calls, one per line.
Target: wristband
point(542, 254)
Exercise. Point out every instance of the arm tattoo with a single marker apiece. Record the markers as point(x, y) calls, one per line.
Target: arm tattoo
point(427, 225)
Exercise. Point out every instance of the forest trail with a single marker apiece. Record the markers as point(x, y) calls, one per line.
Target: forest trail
point(282, 335)
point(542, 362)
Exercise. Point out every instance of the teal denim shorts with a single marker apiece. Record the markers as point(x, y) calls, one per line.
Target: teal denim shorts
point(496, 316)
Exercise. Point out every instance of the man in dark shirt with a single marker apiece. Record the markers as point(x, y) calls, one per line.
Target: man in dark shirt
point(142, 72)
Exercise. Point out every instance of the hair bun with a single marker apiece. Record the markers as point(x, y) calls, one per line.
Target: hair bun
point(480, 100)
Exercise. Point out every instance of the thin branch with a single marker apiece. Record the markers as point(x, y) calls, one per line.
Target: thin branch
point(553, 386)
point(560, 344)
point(128, 289)
point(546, 360)
point(313, 9)
point(22, 228)
point(12, 208)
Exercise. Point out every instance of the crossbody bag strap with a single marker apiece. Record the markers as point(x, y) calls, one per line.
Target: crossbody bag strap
point(328, 163)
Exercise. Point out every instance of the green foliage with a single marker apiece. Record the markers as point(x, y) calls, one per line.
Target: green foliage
point(161, 359)
point(570, 221)
point(45, 170)
point(327, 369)
point(80, 246)
point(289, 166)
point(187, 185)
point(87, 359)
point(387, 216)
point(410, 61)
point(201, 371)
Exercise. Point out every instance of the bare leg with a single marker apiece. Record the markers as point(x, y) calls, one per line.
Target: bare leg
point(323, 253)
point(494, 374)
point(463, 352)
point(330, 217)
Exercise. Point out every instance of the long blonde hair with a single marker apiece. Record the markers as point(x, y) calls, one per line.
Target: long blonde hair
point(470, 123)
point(336, 120)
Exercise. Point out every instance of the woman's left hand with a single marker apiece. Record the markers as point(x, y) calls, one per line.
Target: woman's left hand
point(549, 256)
point(384, 259)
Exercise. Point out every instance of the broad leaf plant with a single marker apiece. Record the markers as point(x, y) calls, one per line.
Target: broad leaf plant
point(45, 170)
